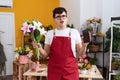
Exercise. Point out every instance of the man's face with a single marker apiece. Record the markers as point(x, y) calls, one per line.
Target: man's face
point(61, 20)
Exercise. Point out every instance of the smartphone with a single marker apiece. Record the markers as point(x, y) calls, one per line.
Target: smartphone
point(86, 36)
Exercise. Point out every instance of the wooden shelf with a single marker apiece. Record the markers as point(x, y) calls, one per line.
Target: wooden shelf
point(18, 70)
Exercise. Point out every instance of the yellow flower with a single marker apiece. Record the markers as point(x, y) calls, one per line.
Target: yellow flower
point(22, 50)
point(16, 49)
point(27, 49)
point(31, 51)
point(19, 48)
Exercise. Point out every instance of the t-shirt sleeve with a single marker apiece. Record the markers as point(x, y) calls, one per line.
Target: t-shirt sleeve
point(48, 37)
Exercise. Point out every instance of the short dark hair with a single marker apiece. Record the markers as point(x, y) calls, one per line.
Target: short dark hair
point(59, 10)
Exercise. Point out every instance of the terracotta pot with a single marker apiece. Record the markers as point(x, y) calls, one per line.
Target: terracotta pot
point(23, 59)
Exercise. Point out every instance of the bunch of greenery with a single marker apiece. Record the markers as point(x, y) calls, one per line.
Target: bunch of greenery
point(47, 27)
point(70, 25)
point(116, 39)
point(117, 77)
point(115, 63)
point(86, 61)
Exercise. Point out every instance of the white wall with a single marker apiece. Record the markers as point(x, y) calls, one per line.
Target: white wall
point(80, 10)
point(90, 9)
point(111, 8)
point(116, 7)
point(107, 12)
point(73, 8)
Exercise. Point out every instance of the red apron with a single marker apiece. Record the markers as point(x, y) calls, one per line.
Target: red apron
point(62, 64)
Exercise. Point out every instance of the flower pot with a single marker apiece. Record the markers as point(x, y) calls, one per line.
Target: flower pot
point(23, 59)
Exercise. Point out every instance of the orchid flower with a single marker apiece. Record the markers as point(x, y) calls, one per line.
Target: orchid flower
point(36, 25)
point(42, 31)
point(25, 28)
point(31, 28)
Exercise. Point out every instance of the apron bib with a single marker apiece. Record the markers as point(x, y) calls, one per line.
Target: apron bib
point(62, 64)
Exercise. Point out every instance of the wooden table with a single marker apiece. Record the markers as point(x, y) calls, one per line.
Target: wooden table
point(43, 73)
point(90, 75)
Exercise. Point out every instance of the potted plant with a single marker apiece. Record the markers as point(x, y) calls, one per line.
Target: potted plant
point(93, 25)
point(115, 64)
point(86, 63)
point(116, 39)
point(23, 53)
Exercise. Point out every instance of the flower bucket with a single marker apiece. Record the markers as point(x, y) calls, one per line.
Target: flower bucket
point(23, 59)
point(35, 66)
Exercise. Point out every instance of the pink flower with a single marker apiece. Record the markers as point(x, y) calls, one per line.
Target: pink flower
point(81, 60)
point(86, 61)
point(30, 54)
point(25, 28)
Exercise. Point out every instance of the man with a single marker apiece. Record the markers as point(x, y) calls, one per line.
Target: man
point(61, 45)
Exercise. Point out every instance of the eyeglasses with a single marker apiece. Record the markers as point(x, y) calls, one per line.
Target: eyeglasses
point(59, 17)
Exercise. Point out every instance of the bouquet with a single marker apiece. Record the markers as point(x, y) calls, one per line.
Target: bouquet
point(83, 61)
point(36, 32)
point(93, 25)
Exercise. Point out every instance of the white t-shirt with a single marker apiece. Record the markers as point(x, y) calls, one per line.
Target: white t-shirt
point(75, 37)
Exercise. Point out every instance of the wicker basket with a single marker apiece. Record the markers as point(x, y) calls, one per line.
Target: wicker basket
point(94, 48)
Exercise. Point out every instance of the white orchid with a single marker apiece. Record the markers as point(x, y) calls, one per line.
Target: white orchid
point(42, 31)
point(36, 25)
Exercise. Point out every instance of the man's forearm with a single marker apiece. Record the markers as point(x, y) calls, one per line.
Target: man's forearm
point(82, 50)
point(43, 53)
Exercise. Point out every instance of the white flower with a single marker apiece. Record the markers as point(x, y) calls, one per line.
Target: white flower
point(42, 31)
point(36, 25)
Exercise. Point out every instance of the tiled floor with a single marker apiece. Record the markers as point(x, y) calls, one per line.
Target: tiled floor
point(8, 77)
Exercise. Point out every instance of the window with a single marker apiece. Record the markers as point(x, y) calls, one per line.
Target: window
point(6, 3)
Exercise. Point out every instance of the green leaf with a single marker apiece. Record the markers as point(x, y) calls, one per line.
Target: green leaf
point(38, 38)
point(36, 33)
point(33, 37)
